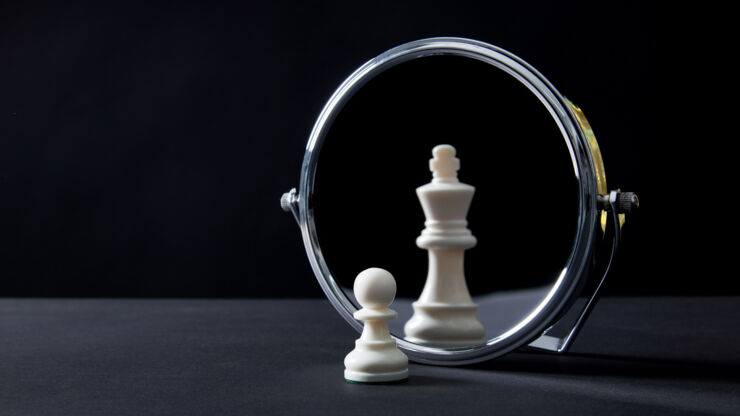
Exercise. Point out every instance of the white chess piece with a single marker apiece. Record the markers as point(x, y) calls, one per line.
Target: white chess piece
point(445, 315)
point(376, 357)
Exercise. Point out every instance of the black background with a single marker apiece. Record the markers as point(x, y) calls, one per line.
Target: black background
point(144, 148)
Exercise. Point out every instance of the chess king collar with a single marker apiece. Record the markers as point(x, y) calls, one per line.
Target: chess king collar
point(555, 322)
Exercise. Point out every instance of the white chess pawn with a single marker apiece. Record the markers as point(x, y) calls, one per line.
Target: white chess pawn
point(376, 357)
point(445, 315)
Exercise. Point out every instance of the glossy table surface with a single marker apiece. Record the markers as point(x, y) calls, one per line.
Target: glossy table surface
point(261, 357)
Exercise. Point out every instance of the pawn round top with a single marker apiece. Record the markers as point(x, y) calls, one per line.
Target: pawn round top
point(375, 288)
point(444, 164)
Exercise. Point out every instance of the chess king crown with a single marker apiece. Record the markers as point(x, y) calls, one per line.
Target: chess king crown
point(445, 201)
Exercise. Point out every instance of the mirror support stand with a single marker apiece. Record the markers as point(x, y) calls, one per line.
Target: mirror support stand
point(559, 337)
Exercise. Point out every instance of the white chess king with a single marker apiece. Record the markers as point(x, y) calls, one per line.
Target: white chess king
point(445, 315)
point(376, 357)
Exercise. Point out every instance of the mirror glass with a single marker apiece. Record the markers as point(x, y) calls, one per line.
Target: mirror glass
point(376, 153)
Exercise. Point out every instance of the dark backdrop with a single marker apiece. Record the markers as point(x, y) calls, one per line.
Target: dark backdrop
point(144, 148)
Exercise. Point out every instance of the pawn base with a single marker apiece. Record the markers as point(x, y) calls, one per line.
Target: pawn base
point(359, 377)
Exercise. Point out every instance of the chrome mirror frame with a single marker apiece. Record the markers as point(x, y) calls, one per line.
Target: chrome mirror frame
point(554, 323)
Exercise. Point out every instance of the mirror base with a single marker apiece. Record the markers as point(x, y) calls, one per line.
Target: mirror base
point(559, 337)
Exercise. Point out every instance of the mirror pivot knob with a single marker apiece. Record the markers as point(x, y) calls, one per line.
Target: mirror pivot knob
point(626, 202)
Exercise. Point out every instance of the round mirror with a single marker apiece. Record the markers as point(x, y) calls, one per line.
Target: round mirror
point(376, 154)
point(534, 212)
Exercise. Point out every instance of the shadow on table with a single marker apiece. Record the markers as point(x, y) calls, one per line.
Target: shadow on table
point(611, 365)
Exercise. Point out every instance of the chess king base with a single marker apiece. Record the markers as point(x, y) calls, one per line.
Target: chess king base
point(444, 325)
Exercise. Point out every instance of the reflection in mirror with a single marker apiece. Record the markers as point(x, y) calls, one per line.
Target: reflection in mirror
point(523, 213)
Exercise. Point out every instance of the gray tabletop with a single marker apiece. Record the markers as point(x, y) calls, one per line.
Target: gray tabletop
point(256, 357)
